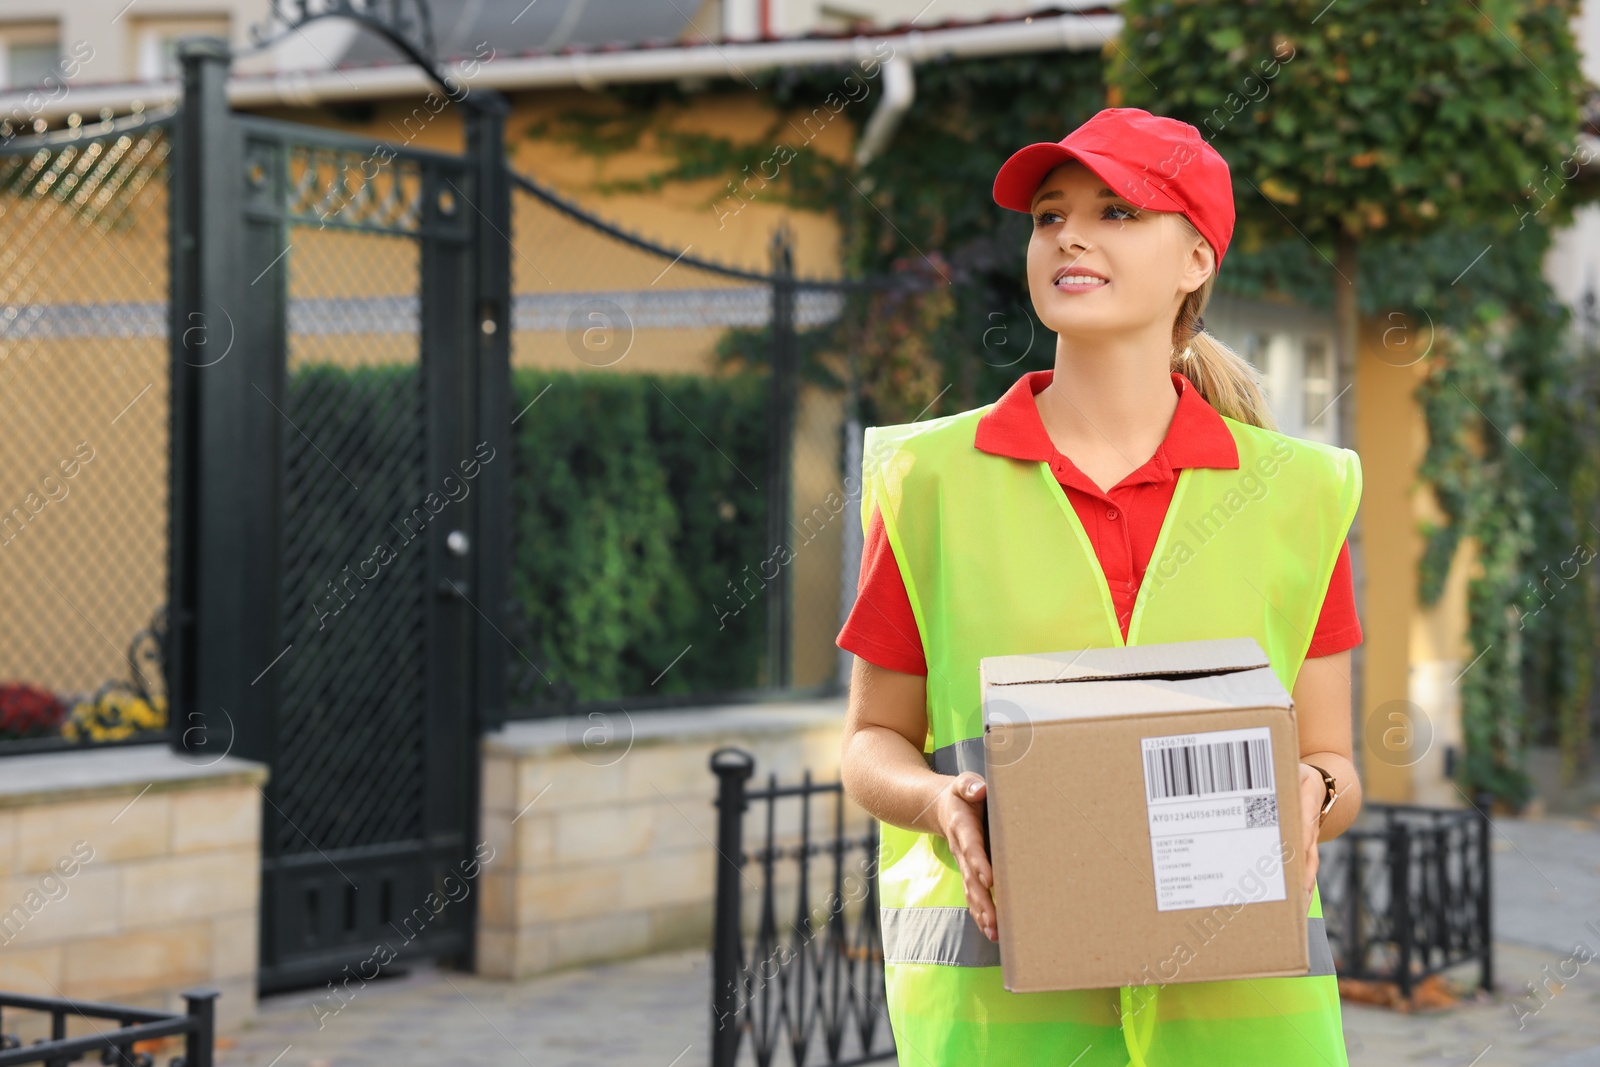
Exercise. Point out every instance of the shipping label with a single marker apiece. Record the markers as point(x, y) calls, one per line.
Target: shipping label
point(1213, 808)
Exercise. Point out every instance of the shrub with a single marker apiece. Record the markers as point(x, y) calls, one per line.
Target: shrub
point(635, 502)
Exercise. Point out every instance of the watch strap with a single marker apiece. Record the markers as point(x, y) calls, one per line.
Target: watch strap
point(1329, 796)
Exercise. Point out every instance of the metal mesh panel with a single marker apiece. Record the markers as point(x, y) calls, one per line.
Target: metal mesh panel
point(354, 686)
point(84, 402)
point(588, 303)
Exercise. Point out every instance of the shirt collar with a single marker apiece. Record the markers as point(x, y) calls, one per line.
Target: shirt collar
point(1197, 436)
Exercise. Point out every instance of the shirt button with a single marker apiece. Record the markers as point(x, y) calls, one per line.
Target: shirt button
point(1111, 513)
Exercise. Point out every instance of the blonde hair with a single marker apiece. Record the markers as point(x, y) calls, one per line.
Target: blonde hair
point(1227, 381)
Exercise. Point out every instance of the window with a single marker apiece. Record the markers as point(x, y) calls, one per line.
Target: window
point(1292, 349)
point(155, 43)
point(1297, 366)
point(1254, 350)
point(1270, 352)
point(1320, 418)
point(30, 53)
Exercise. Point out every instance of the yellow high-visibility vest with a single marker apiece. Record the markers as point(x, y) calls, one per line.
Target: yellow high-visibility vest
point(996, 562)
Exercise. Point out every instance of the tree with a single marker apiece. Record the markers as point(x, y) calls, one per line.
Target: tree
point(1348, 120)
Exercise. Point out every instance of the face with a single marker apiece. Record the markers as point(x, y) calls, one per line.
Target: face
point(1098, 265)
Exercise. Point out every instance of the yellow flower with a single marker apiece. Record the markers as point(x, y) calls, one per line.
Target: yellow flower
point(114, 716)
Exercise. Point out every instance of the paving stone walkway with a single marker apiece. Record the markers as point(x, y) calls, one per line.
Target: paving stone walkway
point(650, 1012)
point(653, 1012)
point(1546, 905)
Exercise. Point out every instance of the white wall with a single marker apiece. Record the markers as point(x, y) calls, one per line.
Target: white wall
point(109, 33)
point(110, 27)
point(1572, 267)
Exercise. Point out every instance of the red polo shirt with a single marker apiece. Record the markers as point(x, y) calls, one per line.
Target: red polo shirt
point(1122, 524)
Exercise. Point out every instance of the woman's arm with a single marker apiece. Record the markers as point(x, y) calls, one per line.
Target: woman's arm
point(883, 770)
point(1323, 714)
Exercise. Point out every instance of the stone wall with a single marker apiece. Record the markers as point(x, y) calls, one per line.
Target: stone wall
point(130, 874)
point(604, 852)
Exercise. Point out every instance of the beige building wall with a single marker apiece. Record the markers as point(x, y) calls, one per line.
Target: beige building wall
point(702, 213)
point(821, 511)
point(703, 218)
point(1409, 709)
point(1440, 658)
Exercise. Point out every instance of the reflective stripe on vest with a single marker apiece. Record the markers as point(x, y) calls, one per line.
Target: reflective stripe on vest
point(995, 561)
point(951, 936)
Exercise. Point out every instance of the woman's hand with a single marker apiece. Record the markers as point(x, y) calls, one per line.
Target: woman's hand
point(1312, 794)
point(959, 809)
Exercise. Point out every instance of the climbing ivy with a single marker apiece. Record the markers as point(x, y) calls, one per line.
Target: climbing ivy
point(1513, 461)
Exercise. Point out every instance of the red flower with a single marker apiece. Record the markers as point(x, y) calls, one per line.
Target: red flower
point(28, 711)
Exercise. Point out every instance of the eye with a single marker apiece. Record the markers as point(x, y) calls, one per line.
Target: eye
point(1048, 217)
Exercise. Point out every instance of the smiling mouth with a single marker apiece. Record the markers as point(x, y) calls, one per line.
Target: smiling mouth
point(1072, 280)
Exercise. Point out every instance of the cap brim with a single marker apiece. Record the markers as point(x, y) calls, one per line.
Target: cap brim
point(1019, 177)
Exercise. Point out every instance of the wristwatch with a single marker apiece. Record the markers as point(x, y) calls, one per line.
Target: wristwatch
point(1329, 797)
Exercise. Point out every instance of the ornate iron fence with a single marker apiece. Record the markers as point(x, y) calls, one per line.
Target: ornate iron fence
point(1408, 894)
point(132, 1025)
point(812, 982)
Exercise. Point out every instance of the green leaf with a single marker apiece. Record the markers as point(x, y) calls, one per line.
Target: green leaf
point(1225, 39)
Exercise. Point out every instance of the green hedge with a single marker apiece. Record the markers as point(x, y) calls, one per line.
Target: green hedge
point(636, 500)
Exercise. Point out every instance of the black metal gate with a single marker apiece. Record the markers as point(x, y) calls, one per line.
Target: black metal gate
point(339, 433)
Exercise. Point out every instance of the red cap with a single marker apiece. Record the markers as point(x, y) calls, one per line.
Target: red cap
point(1149, 160)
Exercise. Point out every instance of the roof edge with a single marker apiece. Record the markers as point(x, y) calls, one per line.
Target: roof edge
point(1074, 32)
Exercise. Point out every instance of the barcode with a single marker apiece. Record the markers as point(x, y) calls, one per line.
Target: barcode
point(1195, 770)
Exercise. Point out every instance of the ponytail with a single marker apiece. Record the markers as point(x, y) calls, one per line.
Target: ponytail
point(1227, 381)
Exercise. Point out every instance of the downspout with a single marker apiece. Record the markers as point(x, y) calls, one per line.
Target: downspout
point(899, 90)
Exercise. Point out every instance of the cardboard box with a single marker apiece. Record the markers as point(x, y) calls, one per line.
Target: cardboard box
point(1144, 816)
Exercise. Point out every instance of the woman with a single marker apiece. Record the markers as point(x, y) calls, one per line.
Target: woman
point(984, 538)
